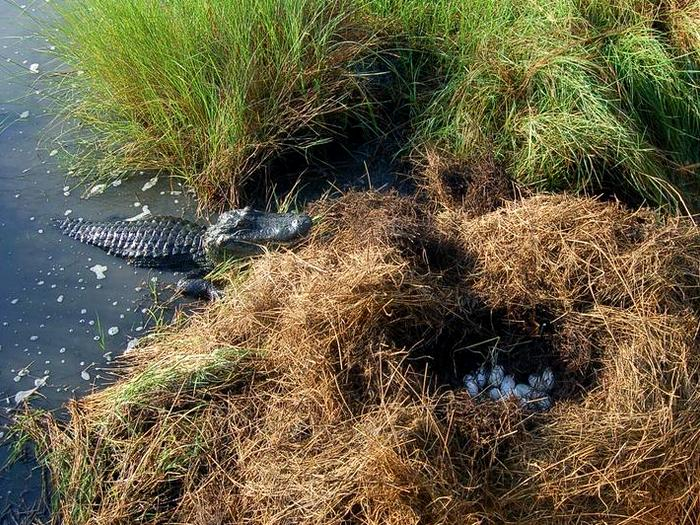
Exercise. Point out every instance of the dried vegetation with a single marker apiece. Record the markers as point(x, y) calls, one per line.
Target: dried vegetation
point(324, 388)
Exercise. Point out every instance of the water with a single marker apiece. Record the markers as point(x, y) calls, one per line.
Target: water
point(59, 323)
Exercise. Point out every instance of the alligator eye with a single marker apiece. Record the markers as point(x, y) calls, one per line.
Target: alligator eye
point(243, 221)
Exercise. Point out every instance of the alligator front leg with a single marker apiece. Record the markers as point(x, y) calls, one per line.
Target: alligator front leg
point(196, 287)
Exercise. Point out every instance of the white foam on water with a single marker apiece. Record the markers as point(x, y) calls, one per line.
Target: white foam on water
point(152, 182)
point(131, 344)
point(23, 394)
point(144, 213)
point(99, 271)
point(97, 188)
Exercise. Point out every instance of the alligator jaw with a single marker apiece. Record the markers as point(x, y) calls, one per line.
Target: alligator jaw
point(246, 232)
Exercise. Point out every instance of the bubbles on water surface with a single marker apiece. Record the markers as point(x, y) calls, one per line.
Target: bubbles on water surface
point(48, 347)
point(99, 271)
point(152, 182)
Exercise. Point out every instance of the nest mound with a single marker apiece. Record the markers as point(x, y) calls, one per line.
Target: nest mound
point(324, 388)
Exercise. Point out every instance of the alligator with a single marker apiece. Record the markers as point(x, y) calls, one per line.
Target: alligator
point(178, 244)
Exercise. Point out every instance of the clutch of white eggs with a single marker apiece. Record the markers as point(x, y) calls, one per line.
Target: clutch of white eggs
point(497, 385)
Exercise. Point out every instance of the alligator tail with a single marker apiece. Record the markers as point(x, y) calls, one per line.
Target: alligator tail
point(162, 242)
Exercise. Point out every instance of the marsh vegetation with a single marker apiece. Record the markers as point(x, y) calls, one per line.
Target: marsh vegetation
point(589, 96)
point(327, 386)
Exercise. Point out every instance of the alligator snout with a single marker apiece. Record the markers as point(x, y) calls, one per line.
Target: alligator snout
point(300, 226)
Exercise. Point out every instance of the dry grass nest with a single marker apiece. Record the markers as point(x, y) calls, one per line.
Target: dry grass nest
point(325, 388)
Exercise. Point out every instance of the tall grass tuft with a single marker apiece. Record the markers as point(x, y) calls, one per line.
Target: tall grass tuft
point(569, 95)
point(206, 90)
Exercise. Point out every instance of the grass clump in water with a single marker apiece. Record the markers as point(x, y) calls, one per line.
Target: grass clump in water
point(206, 90)
point(164, 409)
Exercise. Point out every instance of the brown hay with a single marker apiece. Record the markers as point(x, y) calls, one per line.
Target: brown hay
point(324, 400)
point(563, 253)
point(475, 186)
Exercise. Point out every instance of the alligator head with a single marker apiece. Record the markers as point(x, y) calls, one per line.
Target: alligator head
point(246, 232)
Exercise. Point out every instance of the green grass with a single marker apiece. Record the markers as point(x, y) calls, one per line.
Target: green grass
point(577, 95)
point(155, 421)
point(188, 374)
point(568, 95)
point(206, 90)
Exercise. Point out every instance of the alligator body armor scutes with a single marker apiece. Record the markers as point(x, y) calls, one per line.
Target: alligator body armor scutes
point(158, 242)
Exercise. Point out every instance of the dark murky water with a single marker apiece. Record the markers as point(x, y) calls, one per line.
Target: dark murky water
point(59, 323)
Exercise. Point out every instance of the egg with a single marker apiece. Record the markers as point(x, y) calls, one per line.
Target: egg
point(522, 391)
point(482, 376)
point(471, 385)
point(543, 381)
point(496, 376)
point(542, 404)
point(547, 379)
point(495, 394)
point(507, 386)
point(498, 385)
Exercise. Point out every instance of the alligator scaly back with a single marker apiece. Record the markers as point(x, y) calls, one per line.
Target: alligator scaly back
point(158, 242)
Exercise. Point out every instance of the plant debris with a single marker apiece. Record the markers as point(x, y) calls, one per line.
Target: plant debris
point(326, 387)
